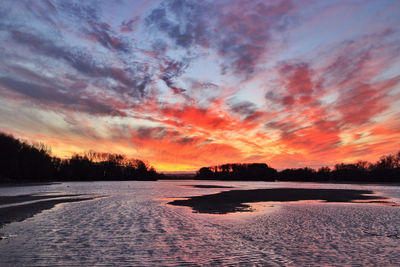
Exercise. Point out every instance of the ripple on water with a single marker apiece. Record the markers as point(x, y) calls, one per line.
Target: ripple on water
point(135, 227)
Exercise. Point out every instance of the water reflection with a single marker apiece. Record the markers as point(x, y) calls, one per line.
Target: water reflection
point(134, 226)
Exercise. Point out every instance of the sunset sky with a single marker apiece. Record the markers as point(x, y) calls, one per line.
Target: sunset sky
point(185, 84)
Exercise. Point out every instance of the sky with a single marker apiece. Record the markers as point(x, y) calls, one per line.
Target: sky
point(186, 84)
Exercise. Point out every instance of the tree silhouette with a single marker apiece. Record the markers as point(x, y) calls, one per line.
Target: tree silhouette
point(20, 162)
point(386, 169)
point(238, 171)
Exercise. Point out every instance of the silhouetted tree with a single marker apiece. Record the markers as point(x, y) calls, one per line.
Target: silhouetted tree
point(237, 171)
point(300, 174)
point(323, 173)
point(386, 169)
point(20, 162)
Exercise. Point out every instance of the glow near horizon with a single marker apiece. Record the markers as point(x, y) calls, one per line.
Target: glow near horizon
point(184, 84)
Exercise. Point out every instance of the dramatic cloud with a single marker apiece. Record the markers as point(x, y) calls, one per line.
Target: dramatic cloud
point(173, 149)
point(53, 96)
point(186, 83)
point(241, 32)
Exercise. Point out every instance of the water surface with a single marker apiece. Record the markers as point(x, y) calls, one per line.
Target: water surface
point(135, 226)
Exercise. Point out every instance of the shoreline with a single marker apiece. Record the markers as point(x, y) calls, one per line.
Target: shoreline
point(4, 200)
point(19, 213)
point(28, 184)
point(300, 182)
point(211, 180)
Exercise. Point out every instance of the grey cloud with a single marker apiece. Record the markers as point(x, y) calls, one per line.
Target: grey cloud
point(173, 70)
point(80, 60)
point(130, 25)
point(103, 34)
point(244, 107)
point(55, 96)
point(247, 110)
point(240, 31)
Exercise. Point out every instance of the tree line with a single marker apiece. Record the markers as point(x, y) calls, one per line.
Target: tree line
point(238, 171)
point(22, 162)
point(386, 169)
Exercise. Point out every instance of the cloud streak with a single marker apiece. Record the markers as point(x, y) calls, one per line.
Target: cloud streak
point(186, 83)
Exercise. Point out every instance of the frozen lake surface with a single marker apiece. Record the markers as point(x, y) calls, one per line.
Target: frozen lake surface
point(133, 225)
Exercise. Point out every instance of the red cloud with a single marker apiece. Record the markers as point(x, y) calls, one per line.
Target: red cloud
point(166, 148)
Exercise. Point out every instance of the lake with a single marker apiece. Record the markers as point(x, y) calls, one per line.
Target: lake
point(134, 225)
